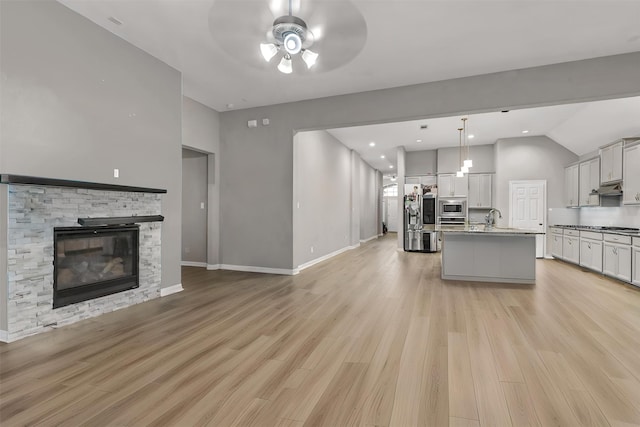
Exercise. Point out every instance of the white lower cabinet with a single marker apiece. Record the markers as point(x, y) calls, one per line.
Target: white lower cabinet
point(617, 256)
point(556, 242)
point(591, 250)
point(571, 246)
point(635, 264)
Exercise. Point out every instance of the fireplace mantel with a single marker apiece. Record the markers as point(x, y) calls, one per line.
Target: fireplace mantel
point(34, 180)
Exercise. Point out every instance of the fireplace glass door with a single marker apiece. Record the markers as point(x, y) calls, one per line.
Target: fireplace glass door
point(90, 262)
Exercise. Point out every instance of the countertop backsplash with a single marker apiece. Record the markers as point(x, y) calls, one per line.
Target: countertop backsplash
point(623, 216)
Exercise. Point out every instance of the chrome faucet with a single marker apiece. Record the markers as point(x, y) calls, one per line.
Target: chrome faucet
point(488, 220)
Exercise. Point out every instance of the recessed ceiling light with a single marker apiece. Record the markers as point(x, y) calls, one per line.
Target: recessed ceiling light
point(525, 131)
point(390, 166)
point(418, 140)
point(382, 157)
point(372, 144)
point(471, 136)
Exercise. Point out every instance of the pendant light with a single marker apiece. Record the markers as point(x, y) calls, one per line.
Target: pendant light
point(460, 173)
point(467, 162)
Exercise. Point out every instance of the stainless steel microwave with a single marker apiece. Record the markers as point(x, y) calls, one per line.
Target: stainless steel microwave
point(452, 208)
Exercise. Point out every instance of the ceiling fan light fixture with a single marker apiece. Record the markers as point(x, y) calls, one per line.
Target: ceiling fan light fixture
point(468, 163)
point(292, 43)
point(309, 57)
point(268, 50)
point(285, 65)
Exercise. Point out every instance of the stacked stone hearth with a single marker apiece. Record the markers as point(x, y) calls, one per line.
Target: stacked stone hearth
point(33, 212)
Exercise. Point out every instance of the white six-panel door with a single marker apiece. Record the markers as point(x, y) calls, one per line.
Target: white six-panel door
point(527, 207)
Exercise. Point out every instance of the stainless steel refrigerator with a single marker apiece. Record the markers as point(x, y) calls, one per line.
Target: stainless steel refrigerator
point(418, 212)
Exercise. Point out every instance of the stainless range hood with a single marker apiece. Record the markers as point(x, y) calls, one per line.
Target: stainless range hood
point(610, 189)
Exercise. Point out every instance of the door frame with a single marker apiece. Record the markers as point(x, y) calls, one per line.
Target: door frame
point(542, 238)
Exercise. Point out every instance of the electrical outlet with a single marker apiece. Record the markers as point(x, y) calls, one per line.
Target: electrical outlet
point(116, 173)
point(311, 249)
point(201, 205)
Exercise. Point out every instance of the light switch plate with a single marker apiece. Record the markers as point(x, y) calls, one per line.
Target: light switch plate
point(252, 123)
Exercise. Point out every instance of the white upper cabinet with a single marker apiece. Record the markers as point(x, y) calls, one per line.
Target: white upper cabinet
point(571, 185)
point(631, 181)
point(611, 163)
point(589, 180)
point(479, 190)
point(449, 185)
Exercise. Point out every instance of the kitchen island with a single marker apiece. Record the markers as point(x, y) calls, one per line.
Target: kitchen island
point(479, 254)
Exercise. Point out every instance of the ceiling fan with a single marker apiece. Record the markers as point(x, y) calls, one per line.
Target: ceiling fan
point(289, 33)
point(253, 32)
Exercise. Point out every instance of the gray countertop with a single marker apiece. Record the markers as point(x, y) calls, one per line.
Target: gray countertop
point(481, 229)
point(577, 227)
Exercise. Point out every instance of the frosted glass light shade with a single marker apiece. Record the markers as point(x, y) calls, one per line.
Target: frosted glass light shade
point(268, 50)
point(464, 169)
point(459, 174)
point(309, 57)
point(468, 163)
point(285, 65)
point(292, 43)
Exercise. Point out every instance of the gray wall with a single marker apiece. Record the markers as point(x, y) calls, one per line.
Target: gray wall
point(355, 199)
point(194, 206)
point(368, 201)
point(421, 162)
point(529, 158)
point(265, 154)
point(77, 102)
point(201, 132)
point(322, 196)
point(482, 156)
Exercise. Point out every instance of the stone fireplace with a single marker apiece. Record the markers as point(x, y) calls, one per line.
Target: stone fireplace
point(98, 269)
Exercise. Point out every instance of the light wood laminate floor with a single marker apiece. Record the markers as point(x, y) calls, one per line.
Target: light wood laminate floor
point(371, 337)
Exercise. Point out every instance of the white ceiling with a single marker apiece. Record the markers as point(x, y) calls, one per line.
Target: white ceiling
point(581, 128)
point(407, 41)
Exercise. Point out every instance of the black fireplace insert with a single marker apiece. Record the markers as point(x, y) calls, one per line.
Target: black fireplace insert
point(91, 262)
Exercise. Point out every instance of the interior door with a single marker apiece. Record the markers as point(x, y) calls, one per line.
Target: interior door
point(527, 209)
point(392, 214)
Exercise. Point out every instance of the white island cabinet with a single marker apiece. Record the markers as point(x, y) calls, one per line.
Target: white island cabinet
point(499, 255)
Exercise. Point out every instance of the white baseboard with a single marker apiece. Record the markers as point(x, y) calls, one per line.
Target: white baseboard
point(252, 269)
point(193, 264)
point(369, 239)
point(380, 235)
point(171, 290)
point(213, 266)
point(4, 336)
point(354, 246)
point(324, 257)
